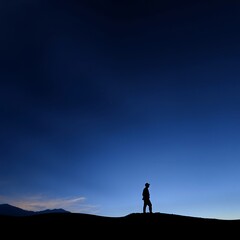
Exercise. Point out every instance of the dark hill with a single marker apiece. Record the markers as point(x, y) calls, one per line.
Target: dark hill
point(159, 225)
point(10, 210)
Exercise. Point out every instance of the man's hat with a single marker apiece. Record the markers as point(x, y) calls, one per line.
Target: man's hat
point(147, 184)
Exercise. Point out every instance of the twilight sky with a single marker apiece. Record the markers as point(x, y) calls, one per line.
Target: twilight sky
point(99, 97)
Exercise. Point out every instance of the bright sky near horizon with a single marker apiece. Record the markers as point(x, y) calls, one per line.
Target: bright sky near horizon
point(99, 97)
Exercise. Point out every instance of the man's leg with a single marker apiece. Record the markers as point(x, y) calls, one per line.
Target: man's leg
point(144, 207)
point(150, 207)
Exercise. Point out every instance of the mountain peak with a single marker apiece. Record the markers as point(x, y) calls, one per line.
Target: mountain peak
point(10, 210)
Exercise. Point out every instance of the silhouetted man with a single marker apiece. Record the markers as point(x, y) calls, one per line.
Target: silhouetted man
point(146, 198)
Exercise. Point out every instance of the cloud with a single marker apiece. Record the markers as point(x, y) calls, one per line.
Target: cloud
point(40, 202)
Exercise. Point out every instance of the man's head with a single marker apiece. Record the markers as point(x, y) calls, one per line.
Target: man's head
point(147, 184)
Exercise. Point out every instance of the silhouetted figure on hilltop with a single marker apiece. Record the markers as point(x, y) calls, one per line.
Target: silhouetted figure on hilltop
point(146, 198)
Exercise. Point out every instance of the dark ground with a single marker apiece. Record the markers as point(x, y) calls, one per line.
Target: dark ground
point(77, 225)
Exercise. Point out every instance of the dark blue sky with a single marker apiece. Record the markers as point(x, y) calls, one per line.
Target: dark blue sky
point(99, 97)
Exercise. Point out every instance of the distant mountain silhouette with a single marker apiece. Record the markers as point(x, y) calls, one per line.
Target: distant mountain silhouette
point(10, 210)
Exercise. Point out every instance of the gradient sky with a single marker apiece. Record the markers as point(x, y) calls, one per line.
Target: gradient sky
point(99, 97)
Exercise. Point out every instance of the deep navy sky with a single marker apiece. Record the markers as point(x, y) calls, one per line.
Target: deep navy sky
point(99, 97)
